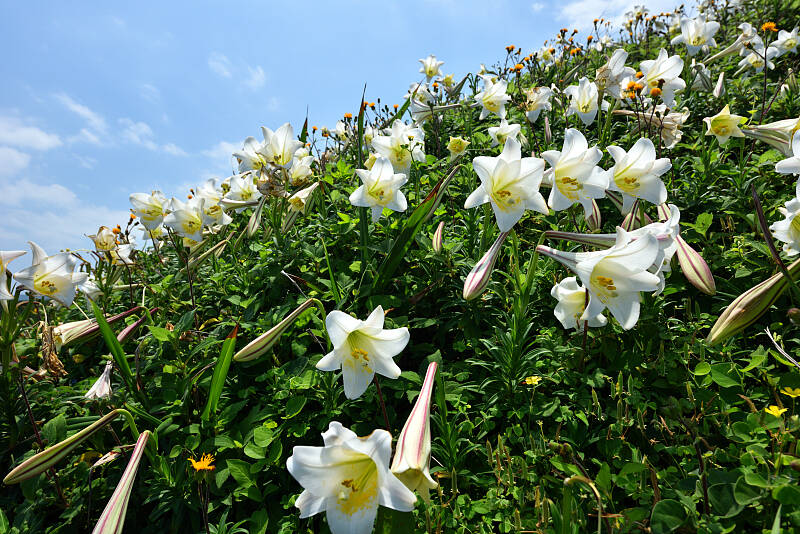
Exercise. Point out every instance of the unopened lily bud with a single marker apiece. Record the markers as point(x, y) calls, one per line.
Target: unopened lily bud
point(595, 220)
point(719, 88)
point(548, 135)
point(794, 315)
point(412, 457)
point(260, 345)
point(750, 305)
point(76, 332)
point(437, 238)
point(478, 278)
point(130, 329)
point(616, 198)
point(113, 517)
point(693, 266)
point(631, 220)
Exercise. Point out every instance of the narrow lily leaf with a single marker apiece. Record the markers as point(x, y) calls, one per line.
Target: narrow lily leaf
point(220, 374)
point(116, 351)
point(113, 517)
point(334, 286)
point(412, 225)
point(304, 131)
point(41, 462)
point(216, 249)
point(255, 218)
point(259, 346)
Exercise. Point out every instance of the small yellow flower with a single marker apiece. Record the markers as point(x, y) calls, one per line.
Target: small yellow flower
point(655, 92)
point(533, 380)
point(792, 392)
point(774, 410)
point(204, 464)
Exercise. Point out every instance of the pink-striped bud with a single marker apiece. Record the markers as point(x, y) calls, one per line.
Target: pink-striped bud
point(437, 242)
point(595, 220)
point(412, 456)
point(693, 266)
point(632, 220)
point(69, 334)
point(478, 278)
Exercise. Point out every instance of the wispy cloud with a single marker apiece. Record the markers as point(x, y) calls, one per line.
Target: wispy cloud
point(220, 64)
point(12, 161)
point(149, 92)
point(251, 77)
point(140, 133)
point(537, 6)
point(580, 14)
point(15, 132)
point(256, 79)
point(94, 120)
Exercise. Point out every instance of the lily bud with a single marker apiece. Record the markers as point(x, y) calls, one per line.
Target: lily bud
point(719, 88)
point(130, 329)
point(595, 220)
point(260, 345)
point(437, 238)
point(548, 135)
point(794, 315)
point(412, 456)
point(631, 220)
point(102, 387)
point(478, 278)
point(41, 462)
point(69, 334)
point(113, 517)
point(616, 198)
point(750, 305)
point(693, 266)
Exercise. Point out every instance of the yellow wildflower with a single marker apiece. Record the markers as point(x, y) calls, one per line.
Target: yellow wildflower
point(203, 464)
point(774, 410)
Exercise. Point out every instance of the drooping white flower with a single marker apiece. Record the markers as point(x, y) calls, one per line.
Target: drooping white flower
point(538, 99)
point(402, 146)
point(572, 301)
point(340, 131)
point(493, 98)
point(614, 277)
point(457, 146)
point(788, 230)
point(636, 174)
point(213, 212)
point(242, 189)
point(696, 34)
point(610, 76)
point(380, 189)
point(575, 174)
point(419, 93)
point(6, 256)
point(583, 100)
point(546, 55)
point(504, 131)
point(104, 240)
point(279, 146)
point(347, 479)
point(102, 386)
point(150, 209)
point(510, 182)
point(250, 157)
point(52, 276)
point(301, 169)
point(361, 349)
point(90, 288)
point(723, 125)
point(186, 218)
point(778, 134)
point(431, 67)
point(786, 42)
point(663, 72)
point(758, 57)
point(298, 201)
point(791, 165)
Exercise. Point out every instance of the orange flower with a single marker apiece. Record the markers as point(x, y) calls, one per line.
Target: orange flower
point(396, 106)
point(203, 464)
point(589, 39)
point(639, 74)
point(348, 115)
point(510, 48)
point(655, 92)
point(115, 230)
point(313, 128)
point(769, 27)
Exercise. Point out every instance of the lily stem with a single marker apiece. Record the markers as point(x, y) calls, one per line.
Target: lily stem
point(380, 398)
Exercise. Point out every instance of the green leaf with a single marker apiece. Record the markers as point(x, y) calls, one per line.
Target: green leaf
point(756, 359)
point(702, 368)
point(776, 523)
point(55, 430)
point(668, 516)
point(703, 223)
point(240, 471)
point(743, 493)
point(220, 374)
point(721, 375)
point(788, 494)
point(161, 334)
point(294, 406)
point(723, 501)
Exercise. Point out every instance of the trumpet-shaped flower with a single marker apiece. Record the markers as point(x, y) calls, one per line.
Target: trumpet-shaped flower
point(299, 200)
point(663, 73)
point(510, 182)
point(341, 131)
point(361, 349)
point(758, 58)
point(402, 146)
point(52, 276)
point(431, 67)
point(583, 100)
point(90, 288)
point(748, 35)
point(614, 277)
point(778, 134)
point(609, 77)
point(102, 387)
point(150, 209)
point(786, 42)
point(457, 146)
point(213, 212)
point(412, 457)
point(301, 168)
point(572, 301)
point(104, 240)
point(723, 125)
point(575, 174)
point(279, 146)
point(788, 230)
point(791, 165)
point(6, 256)
point(250, 157)
point(696, 34)
point(504, 131)
point(493, 98)
point(636, 174)
point(347, 479)
point(537, 100)
point(668, 124)
point(186, 218)
point(242, 189)
point(380, 189)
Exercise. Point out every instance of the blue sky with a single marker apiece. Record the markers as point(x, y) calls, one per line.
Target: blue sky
point(101, 101)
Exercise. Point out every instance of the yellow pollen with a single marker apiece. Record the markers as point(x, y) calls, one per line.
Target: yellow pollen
point(359, 353)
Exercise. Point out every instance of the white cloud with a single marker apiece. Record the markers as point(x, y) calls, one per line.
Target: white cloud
point(140, 133)
point(149, 92)
point(256, 79)
point(537, 6)
point(580, 14)
point(16, 133)
point(173, 149)
point(12, 161)
point(222, 150)
point(95, 121)
point(220, 65)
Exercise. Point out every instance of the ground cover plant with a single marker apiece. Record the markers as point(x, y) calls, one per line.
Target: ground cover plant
point(557, 295)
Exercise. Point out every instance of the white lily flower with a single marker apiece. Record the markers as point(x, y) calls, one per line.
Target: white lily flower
point(571, 305)
point(702, 77)
point(791, 165)
point(298, 201)
point(419, 92)
point(663, 72)
point(279, 146)
point(6, 256)
point(758, 58)
point(610, 76)
point(636, 174)
point(186, 218)
point(90, 288)
point(150, 209)
point(380, 189)
point(361, 349)
point(347, 479)
point(696, 34)
point(340, 131)
point(301, 169)
point(493, 98)
point(723, 125)
point(104, 240)
point(575, 174)
point(122, 254)
point(213, 212)
point(510, 182)
point(52, 276)
point(457, 146)
point(431, 67)
point(788, 230)
point(786, 42)
point(583, 100)
point(250, 157)
point(538, 99)
point(402, 146)
point(102, 387)
point(242, 189)
point(778, 134)
point(614, 277)
point(546, 55)
point(499, 134)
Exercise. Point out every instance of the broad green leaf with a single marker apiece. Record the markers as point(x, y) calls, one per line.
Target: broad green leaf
point(668, 516)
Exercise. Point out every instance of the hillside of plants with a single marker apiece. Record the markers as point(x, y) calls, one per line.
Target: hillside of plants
point(555, 295)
